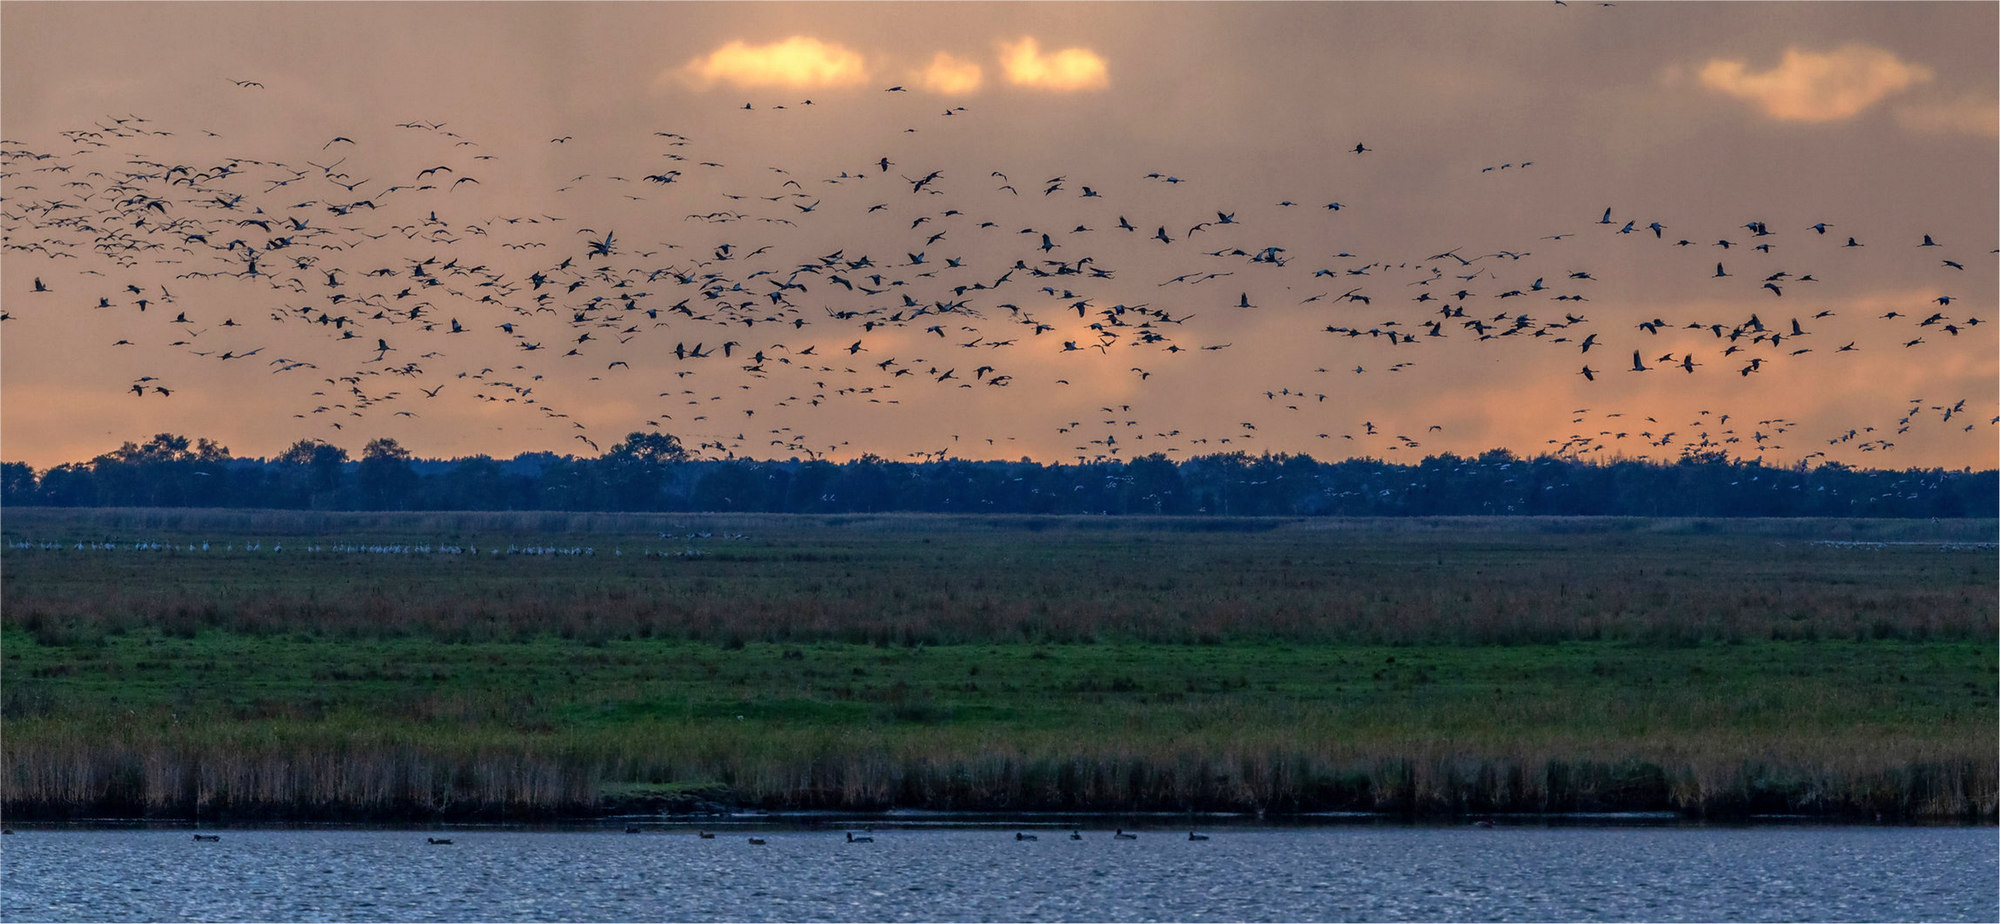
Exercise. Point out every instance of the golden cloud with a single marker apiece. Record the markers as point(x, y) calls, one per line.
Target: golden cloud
point(1816, 87)
point(1068, 69)
point(798, 61)
point(1967, 115)
point(951, 76)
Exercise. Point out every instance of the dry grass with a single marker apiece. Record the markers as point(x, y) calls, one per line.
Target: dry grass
point(900, 580)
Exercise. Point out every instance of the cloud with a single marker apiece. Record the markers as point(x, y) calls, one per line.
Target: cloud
point(1816, 87)
point(1969, 115)
point(798, 61)
point(1068, 69)
point(951, 76)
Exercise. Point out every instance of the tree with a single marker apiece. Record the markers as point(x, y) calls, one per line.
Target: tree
point(385, 449)
point(17, 484)
point(1153, 485)
point(865, 485)
point(72, 485)
point(649, 449)
point(633, 470)
point(811, 487)
point(168, 470)
point(312, 453)
point(171, 447)
point(653, 471)
point(731, 486)
point(387, 480)
point(479, 483)
point(316, 471)
point(164, 447)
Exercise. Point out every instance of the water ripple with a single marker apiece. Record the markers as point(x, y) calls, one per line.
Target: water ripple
point(1301, 874)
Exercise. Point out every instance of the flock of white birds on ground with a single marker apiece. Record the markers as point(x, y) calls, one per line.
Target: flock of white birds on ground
point(377, 273)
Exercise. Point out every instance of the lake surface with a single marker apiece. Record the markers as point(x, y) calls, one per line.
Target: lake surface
point(1326, 873)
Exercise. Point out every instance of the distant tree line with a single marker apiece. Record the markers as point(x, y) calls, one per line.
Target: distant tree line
point(653, 472)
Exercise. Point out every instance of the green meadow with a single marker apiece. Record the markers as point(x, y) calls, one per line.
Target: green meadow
point(1424, 667)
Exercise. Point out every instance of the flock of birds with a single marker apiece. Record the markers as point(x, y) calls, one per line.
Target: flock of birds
point(377, 278)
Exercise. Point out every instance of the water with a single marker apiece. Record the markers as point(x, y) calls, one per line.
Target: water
point(1332, 873)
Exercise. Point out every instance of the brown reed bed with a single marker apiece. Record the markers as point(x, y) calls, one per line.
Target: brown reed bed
point(247, 773)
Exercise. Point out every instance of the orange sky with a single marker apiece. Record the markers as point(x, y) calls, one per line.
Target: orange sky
point(1498, 133)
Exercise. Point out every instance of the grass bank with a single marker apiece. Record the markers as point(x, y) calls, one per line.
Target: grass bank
point(783, 663)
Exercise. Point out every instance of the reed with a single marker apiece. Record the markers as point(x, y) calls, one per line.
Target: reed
point(241, 772)
point(289, 726)
point(991, 663)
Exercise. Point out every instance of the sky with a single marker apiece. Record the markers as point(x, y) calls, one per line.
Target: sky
point(1387, 230)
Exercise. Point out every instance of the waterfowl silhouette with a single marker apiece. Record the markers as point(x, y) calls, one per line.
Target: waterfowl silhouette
point(450, 266)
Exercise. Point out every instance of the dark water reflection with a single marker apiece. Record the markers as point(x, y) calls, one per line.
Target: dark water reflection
point(956, 874)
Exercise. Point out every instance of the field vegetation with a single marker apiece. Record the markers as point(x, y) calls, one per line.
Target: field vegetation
point(320, 665)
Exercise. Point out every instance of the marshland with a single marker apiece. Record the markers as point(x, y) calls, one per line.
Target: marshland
point(241, 665)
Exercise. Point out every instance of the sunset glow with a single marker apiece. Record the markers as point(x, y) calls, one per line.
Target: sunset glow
point(1057, 231)
point(1817, 87)
point(798, 61)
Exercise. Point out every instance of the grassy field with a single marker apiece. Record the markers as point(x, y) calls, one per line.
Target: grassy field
point(1441, 666)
